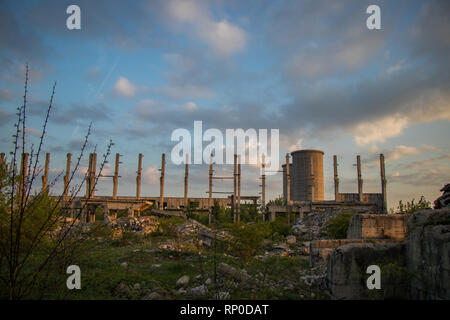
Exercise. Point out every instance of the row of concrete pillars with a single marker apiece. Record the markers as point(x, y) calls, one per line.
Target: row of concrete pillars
point(360, 180)
point(236, 195)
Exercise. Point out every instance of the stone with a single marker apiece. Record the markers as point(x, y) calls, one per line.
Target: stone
point(208, 281)
point(156, 266)
point(221, 295)
point(183, 280)
point(348, 263)
point(122, 289)
point(124, 264)
point(291, 239)
point(153, 296)
point(198, 291)
point(428, 254)
point(137, 286)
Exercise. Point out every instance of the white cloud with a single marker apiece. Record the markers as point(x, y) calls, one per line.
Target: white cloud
point(190, 106)
point(125, 88)
point(222, 36)
point(401, 151)
point(378, 131)
point(187, 91)
point(296, 146)
point(151, 175)
point(396, 67)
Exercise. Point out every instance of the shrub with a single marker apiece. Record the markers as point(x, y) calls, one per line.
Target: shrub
point(411, 207)
point(248, 239)
point(337, 227)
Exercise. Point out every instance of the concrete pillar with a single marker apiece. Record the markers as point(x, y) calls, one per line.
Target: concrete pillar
point(210, 202)
point(383, 183)
point(45, 176)
point(239, 190)
point(23, 174)
point(186, 182)
point(288, 181)
point(116, 176)
point(263, 189)
point(93, 168)
point(234, 187)
point(336, 179)
point(138, 177)
point(161, 182)
point(67, 178)
point(88, 177)
point(272, 215)
point(360, 182)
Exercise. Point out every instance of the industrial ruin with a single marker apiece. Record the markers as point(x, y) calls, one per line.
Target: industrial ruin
point(303, 187)
point(303, 190)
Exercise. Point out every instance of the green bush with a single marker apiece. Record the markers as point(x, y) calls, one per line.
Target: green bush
point(167, 226)
point(337, 227)
point(411, 207)
point(248, 239)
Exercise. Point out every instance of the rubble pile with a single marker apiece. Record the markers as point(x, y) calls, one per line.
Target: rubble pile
point(444, 200)
point(206, 235)
point(140, 225)
point(311, 226)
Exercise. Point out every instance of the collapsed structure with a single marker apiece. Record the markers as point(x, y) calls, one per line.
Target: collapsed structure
point(303, 187)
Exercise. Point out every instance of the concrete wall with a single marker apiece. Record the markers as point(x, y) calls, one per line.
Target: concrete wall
point(418, 268)
point(347, 266)
point(319, 250)
point(428, 254)
point(377, 226)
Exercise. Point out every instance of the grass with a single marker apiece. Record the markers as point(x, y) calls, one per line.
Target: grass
point(104, 277)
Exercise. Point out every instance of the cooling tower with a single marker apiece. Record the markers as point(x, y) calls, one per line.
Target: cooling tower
point(306, 173)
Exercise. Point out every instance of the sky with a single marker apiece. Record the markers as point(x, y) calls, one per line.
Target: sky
point(138, 70)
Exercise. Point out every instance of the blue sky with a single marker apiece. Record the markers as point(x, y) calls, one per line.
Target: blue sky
point(138, 70)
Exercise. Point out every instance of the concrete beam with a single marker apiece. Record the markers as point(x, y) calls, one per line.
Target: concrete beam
point(138, 177)
point(45, 176)
point(288, 180)
point(67, 178)
point(116, 176)
point(186, 182)
point(383, 183)
point(360, 181)
point(161, 182)
point(336, 179)
point(239, 190)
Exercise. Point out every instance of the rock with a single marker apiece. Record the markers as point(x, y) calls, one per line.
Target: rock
point(208, 281)
point(156, 266)
point(198, 291)
point(137, 286)
point(281, 246)
point(291, 239)
point(122, 289)
point(347, 264)
point(428, 254)
point(124, 264)
point(153, 296)
point(236, 274)
point(180, 292)
point(183, 280)
point(310, 227)
point(444, 200)
point(221, 295)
